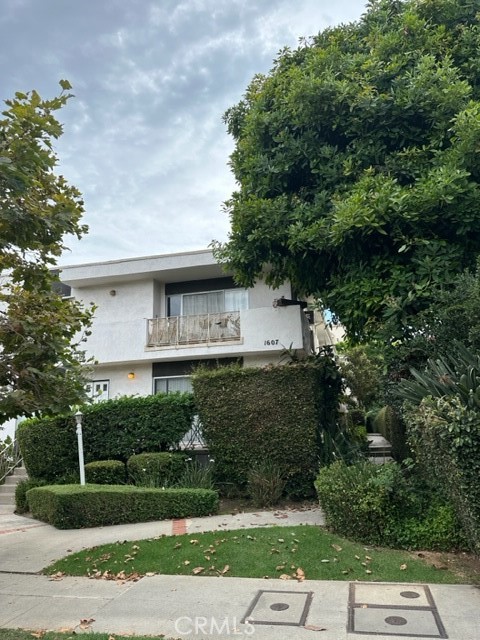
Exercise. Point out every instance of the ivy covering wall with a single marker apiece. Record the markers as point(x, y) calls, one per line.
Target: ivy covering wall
point(280, 413)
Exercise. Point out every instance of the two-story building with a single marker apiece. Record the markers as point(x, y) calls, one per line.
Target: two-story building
point(158, 317)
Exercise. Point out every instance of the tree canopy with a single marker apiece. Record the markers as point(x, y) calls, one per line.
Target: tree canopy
point(357, 160)
point(40, 332)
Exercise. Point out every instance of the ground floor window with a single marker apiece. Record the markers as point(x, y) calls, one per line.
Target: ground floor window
point(98, 390)
point(172, 384)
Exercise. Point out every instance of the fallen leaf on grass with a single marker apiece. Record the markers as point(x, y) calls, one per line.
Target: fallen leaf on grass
point(403, 567)
point(38, 634)
point(337, 547)
point(368, 571)
point(325, 560)
point(150, 574)
point(178, 545)
point(193, 541)
point(224, 570)
point(300, 575)
point(280, 567)
point(198, 570)
point(285, 576)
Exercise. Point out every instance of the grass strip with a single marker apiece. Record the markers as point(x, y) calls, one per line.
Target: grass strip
point(21, 634)
point(283, 552)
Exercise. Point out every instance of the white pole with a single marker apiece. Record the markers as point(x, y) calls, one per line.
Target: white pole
point(81, 463)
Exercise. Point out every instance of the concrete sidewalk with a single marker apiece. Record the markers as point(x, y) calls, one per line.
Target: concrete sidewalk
point(209, 607)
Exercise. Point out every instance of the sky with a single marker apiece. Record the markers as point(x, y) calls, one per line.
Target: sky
point(144, 139)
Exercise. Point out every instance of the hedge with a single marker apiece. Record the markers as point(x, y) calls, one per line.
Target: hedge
point(162, 469)
point(115, 429)
point(76, 507)
point(105, 472)
point(275, 413)
point(444, 435)
point(21, 503)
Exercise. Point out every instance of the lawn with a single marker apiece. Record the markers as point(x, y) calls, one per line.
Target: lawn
point(283, 552)
point(18, 634)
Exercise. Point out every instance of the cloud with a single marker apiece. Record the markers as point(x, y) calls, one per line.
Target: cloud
point(144, 138)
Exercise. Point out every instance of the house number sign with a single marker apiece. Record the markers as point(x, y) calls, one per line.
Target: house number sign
point(271, 343)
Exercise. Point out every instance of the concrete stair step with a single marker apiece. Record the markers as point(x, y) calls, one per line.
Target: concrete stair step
point(7, 498)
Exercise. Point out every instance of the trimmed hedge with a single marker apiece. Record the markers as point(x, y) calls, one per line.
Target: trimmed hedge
point(105, 472)
point(76, 507)
point(276, 413)
point(156, 469)
point(21, 503)
point(115, 429)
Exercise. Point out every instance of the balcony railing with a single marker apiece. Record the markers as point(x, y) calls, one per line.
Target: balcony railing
point(178, 330)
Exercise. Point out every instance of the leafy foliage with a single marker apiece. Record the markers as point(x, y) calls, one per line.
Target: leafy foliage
point(115, 429)
point(76, 507)
point(380, 504)
point(156, 469)
point(105, 472)
point(277, 413)
point(21, 503)
point(444, 434)
point(41, 362)
point(357, 162)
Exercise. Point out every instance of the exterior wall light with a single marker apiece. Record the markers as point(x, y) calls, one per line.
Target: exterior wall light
point(112, 292)
point(131, 375)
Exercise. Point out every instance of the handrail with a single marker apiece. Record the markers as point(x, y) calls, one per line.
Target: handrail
point(10, 459)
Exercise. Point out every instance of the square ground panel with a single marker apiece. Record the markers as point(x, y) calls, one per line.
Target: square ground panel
point(393, 610)
point(288, 608)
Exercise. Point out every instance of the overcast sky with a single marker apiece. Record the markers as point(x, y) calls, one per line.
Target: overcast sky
point(144, 139)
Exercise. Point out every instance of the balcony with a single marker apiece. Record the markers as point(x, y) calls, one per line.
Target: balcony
point(204, 329)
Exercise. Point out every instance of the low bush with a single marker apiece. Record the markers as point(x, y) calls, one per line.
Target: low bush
point(361, 500)
point(105, 472)
point(265, 484)
point(21, 503)
point(197, 475)
point(162, 469)
point(75, 506)
point(383, 505)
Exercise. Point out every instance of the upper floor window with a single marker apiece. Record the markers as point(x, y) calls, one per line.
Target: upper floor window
point(197, 304)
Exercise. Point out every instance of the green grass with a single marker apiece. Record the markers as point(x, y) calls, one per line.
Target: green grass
point(19, 634)
point(255, 553)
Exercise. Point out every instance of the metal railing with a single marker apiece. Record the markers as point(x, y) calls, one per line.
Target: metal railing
point(207, 328)
point(10, 459)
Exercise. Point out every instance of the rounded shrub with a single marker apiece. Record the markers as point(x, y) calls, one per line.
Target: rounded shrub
point(21, 502)
point(105, 472)
point(163, 469)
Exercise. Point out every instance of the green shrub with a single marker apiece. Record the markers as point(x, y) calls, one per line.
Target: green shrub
point(265, 484)
point(75, 506)
point(362, 500)
point(437, 530)
point(385, 505)
point(197, 475)
point(114, 429)
point(445, 437)
point(105, 472)
point(280, 413)
point(21, 503)
point(156, 469)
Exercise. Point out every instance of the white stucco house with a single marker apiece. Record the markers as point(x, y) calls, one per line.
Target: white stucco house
point(158, 317)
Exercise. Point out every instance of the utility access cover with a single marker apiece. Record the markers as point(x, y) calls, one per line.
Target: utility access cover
point(393, 610)
point(287, 608)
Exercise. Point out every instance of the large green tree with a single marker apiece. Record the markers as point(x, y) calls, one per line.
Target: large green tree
point(357, 159)
point(41, 364)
